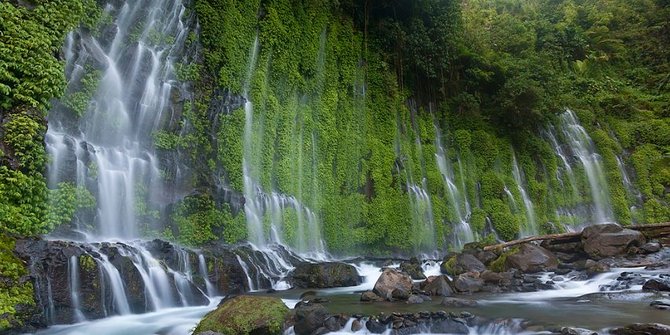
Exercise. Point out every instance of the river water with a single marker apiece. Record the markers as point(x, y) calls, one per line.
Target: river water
point(573, 302)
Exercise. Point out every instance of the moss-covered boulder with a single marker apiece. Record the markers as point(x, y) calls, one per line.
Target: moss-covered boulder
point(246, 314)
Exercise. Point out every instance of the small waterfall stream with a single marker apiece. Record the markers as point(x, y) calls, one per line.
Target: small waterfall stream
point(458, 200)
point(530, 226)
point(73, 269)
point(582, 147)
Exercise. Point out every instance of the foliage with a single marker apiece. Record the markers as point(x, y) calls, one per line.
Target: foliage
point(199, 221)
point(14, 291)
point(64, 202)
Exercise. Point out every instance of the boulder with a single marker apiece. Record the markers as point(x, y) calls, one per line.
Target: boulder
point(651, 247)
point(469, 282)
point(609, 239)
point(531, 258)
point(577, 331)
point(656, 284)
point(642, 329)
point(392, 280)
point(463, 263)
point(370, 296)
point(414, 299)
point(663, 304)
point(438, 286)
point(311, 319)
point(246, 314)
point(413, 268)
point(457, 302)
point(323, 275)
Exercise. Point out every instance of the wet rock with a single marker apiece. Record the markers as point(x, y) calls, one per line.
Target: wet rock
point(375, 326)
point(370, 296)
point(246, 314)
point(400, 294)
point(324, 275)
point(413, 268)
point(356, 326)
point(531, 258)
point(458, 302)
point(656, 284)
point(309, 317)
point(463, 263)
point(496, 278)
point(438, 286)
point(642, 329)
point(577, 331)
point(392, 280)
point(414, 299)
point(593, 267)
point(486, 257)
point(607, 240)
point(468, 283)
point(663, 304)
point(449, 326)
point(650, 247)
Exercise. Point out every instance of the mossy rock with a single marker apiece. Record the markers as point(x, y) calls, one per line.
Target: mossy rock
point(246, 314)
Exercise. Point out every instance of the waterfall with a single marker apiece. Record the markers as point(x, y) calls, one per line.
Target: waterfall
point(113, 278)
point(581, 146)
point(73, 268)
point(129, 75)
point(457, 199)
point(530, 228)
point(202, 265)
point(262, 206)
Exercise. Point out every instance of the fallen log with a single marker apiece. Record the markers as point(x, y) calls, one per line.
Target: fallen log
point(532, 238)
point(648, 229)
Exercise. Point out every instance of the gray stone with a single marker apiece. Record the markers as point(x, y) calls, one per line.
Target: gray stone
point(438, 286)
point(457, 302)
point(532, 258)
point(609, 239)
point(391, 280)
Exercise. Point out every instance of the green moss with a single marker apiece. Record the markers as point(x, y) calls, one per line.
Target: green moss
point(246, 314)
point(14, 290)
point(448, 266)
point(498, 265)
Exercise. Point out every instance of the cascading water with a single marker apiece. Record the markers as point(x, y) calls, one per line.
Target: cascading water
point(457, 199)
point(202, 267)
point(73, 268)
point(577, 153)
point(530, 226)
point(262, 206)
point(110, 150)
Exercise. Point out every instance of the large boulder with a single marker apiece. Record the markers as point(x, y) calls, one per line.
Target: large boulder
point(461, 263)
point(642, 329)
point(609, 239)
point(413, 269)
point(438, 286)
point(656, 284)
point(311, 319)
point(245, 314)
point(530, 258)
point(468, 282)
point(392, 280)
point(323, 275)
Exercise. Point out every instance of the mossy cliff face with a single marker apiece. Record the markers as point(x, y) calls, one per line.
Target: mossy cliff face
point(347, 116)
point(31, 74)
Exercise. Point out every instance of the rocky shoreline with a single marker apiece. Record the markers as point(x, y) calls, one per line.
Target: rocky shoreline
point(192, 276)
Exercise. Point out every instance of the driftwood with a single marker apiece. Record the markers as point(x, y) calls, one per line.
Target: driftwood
point(532, 238)
point(650, 230)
